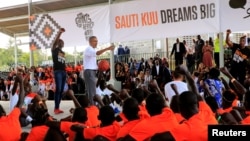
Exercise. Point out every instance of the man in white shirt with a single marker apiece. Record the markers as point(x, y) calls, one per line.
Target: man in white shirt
point(178, 78)
point(90, 67)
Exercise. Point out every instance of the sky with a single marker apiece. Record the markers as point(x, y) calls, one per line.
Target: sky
point(22, 43)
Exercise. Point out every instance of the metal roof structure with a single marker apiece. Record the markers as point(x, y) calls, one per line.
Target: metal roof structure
point(14, 21)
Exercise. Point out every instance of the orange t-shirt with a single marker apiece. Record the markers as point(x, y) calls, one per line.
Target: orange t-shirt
point(38, 133)
point(204, 107)
point(179, 117)
point(143, 113)
point(92, 114)
point(193, 129)
point(155, 124)
point(109, 132)
point(126, 128)
point(246, 120)
point(205, 110)
point(10, 128)
point(65, 127)
point(122, 116)
point(221, 111)
point(235, 103)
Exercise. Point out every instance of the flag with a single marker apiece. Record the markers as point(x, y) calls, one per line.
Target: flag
point(43, 31)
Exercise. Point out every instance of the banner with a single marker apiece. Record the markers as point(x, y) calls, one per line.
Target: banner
point(235, 15)
point(79, 24)
point(147, 19)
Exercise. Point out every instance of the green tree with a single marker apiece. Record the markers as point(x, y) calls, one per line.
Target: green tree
point(7, 56)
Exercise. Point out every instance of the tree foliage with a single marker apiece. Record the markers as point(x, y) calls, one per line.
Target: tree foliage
point(7, 57)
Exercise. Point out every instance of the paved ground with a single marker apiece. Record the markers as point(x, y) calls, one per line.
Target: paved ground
point(65, 105)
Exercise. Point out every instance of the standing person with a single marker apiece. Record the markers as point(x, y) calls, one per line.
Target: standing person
point(90, 67)
point(180, 51)
point(207, 51)
point(198, 50)
point(211, 42)
point(217, 51)
point(191, 58)
point(58, 57)
point(157, 71)
point(127, 53)
point(121, 53)
point(240, 56)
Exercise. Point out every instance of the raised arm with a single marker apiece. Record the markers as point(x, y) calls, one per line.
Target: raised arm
point(238, 87)
point(174, 88)
point(99, 52)
point(226, 85)
point(190, 80)
point(21, 93)
point(154, 85)
point(15, 86)
point(206, 89)
point(229, 43)
point(57, 38)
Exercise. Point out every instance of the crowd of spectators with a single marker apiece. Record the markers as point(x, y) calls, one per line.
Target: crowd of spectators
point(155, 103)
point(42, 80)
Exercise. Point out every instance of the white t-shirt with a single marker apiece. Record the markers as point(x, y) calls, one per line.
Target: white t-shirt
point(41, 88)
point(101, 93)
point(181, 87)
point(89, 59)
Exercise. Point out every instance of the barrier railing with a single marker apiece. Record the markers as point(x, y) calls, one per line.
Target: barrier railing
point(146, 56)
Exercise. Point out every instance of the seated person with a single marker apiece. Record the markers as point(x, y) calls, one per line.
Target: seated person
point(79, 117)
point(162, 119)
point(195, 126)
point(10, 124)
point(83, 101)
point(131, 113)
point(108, 128)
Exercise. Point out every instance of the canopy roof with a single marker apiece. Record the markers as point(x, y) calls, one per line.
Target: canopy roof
point(14, 20)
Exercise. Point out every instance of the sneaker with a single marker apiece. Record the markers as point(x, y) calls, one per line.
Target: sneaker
point(58, 111)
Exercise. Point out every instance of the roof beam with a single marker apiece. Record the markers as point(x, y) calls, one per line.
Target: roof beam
point(6, 31)
point(38, 8)
point(22, 34)
point(18, 25)
point(14, 18)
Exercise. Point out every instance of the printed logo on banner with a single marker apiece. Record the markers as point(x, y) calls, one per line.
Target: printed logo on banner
point(235, 4)
point(84, 21)
point(43, 31)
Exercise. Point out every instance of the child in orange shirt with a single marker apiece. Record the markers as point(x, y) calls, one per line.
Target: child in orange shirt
point(109, 127)
point(131, 112)
point(79, 117)
point(162, 119)
point(197, 120)
point(10, 125)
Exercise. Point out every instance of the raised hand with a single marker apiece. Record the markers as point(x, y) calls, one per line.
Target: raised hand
point(228, 31)
point(62, 30)
point(225, 71)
